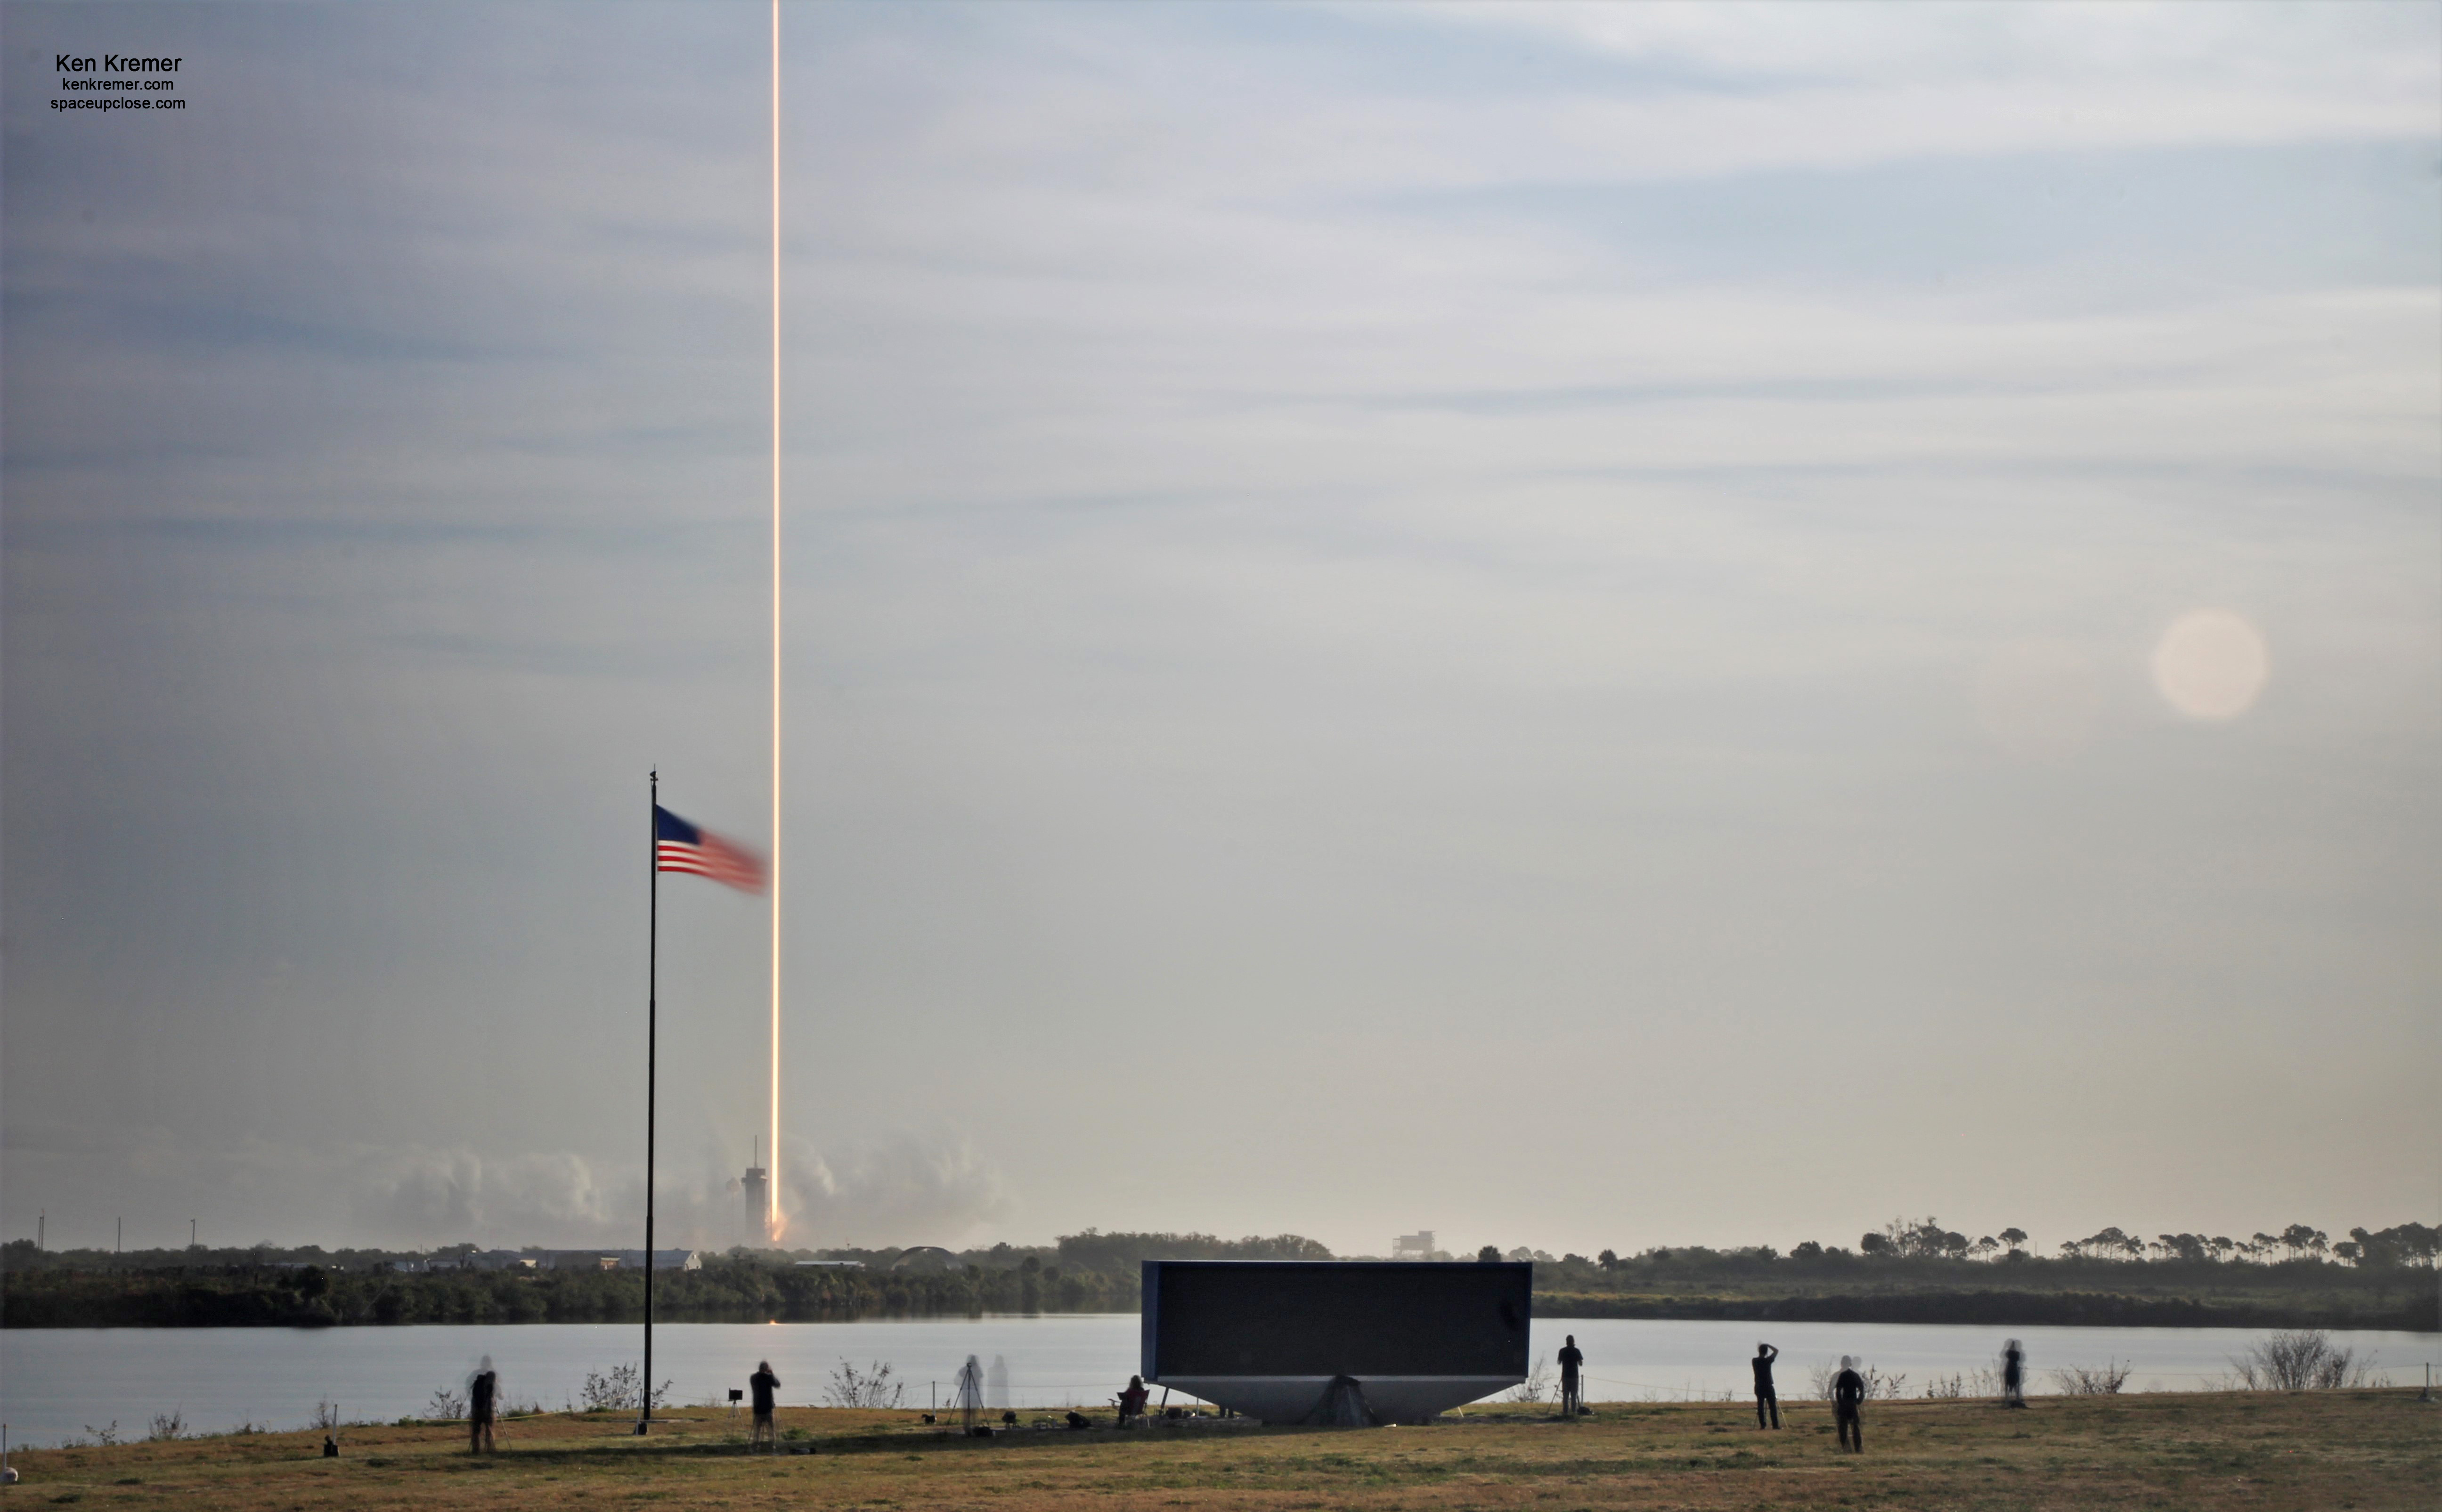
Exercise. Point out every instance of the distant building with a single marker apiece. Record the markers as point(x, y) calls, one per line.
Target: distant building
point(1417, 1246)
point(620, 1260)
point(479, 1260)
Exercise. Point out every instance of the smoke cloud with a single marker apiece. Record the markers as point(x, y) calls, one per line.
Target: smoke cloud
point(423, 1196)
point(904, 1190)
point(893, 1191)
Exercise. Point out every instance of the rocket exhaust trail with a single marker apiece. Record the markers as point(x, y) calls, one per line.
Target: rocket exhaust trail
point(772, 1222)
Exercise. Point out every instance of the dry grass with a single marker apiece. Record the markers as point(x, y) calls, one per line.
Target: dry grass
point(2323, 1450)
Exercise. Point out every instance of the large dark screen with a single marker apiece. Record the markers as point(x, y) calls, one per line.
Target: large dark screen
point(1224, 1318)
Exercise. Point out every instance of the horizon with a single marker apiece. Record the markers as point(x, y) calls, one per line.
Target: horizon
point(2297, 1242)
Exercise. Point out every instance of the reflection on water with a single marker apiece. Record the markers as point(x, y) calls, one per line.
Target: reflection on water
point(53, 1382)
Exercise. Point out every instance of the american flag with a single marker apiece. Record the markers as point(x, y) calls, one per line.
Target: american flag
point(679, 846)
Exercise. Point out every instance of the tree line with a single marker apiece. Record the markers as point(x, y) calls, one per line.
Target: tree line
point(1909, 1271)
point(731, 1289)
point(2407, 1244)
point(2401, 1247)
point(1087, 1272)
point(1118, 1254)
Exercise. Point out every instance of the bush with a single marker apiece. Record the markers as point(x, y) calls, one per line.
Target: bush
point(869, 1388)
point(619, 1390)
point(168, 1426)
point(2298, 1361)
point(1536, 1385)
point(2082, 1380)
point(449, 1405)
point(1878, 1387)
point(1983, 1382)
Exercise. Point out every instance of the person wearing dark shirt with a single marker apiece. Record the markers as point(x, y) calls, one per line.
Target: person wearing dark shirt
point(1572, 1357)
point(482, 1393)
point(1848, 1396)
point(2013, 1374)
point(1132, 1401)
point(1765, 1395)
point(766, 1388)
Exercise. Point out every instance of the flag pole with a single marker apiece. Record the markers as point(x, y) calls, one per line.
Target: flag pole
point(652, 1024)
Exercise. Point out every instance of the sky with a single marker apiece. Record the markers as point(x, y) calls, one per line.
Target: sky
point(1588, 627)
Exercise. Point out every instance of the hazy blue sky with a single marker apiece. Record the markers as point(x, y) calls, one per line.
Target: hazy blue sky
point(1535, 621)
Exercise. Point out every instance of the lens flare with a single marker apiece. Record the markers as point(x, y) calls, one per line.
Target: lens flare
point(2211, 664)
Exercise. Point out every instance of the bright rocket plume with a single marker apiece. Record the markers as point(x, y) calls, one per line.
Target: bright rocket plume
point(775, 1223)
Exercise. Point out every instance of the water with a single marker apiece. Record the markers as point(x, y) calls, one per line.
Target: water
point(1637, 1360)
point(55, 1382)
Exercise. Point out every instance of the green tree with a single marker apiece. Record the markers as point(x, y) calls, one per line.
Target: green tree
point(2302, 1239)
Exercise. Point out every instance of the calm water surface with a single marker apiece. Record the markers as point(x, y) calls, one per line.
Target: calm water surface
point(55, 1382)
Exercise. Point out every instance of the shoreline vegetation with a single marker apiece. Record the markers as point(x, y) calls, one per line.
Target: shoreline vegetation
point(2385, 1280)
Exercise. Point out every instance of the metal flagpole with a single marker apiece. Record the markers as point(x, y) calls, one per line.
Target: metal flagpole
point(652, 1025)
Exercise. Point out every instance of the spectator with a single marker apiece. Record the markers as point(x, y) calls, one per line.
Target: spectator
point(1847, 1397)
point(766, 1388)
point(1132, 1401)
point(1571, 1359)
point(1765, 1395)
point(482, 1400)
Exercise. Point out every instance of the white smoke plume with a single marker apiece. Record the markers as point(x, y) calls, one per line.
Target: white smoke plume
point(904, 1191)
point(425, 1196)
point(900, 1191)
point(894, 1191)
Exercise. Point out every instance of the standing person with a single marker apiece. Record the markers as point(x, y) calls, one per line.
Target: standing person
point(765, 1386)
point(1571, 1394)
point(1765, 1395)
point(1132, 1401)
point(482, 1400)
point(1847, 1397)
point(2013, 1374)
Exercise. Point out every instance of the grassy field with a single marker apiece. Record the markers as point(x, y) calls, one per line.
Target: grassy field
point(2325, 1449)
